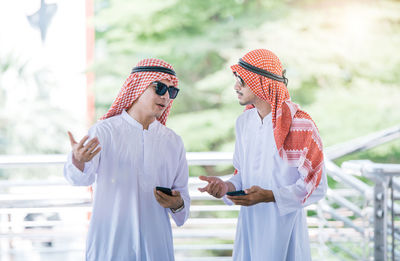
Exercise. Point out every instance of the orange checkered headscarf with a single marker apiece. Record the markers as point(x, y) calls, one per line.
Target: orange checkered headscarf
point(137, 83)
point(296, 135)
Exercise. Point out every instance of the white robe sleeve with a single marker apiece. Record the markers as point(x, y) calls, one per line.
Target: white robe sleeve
point(181, 184)
point(290, 198)
point(236, 179)
point(86, 177)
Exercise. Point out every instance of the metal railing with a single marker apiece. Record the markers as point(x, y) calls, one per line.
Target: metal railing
point(364, 209)
point(386, 211)
point(341, 226)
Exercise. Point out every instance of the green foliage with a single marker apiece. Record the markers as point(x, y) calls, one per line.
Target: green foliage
point(306, 93)
point(193, 39)
point(194, 36)
point(343, 68)
point(387, 153)
point(342, 63)
point(216, 125)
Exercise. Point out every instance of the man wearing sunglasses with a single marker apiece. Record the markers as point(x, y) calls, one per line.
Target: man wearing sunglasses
point(125, 156)
point(279, 164)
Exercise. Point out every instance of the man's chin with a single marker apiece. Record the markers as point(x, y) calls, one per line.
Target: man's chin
point(243, 103)
point(158, 114)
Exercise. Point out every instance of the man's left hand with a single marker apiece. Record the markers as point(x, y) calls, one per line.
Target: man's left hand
point(255, 195)
point(174, 202)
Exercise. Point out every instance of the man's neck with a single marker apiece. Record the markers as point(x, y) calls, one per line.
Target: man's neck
point(141, 117)
point(263, 108)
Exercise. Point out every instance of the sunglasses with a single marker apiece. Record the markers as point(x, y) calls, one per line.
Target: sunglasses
point(162, 88)
point(239, 79)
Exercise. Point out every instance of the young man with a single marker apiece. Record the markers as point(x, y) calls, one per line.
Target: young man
point(279, 164)
point(138, 153)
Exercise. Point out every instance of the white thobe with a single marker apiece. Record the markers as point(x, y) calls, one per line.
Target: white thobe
point(273, 231)
point(127, 222)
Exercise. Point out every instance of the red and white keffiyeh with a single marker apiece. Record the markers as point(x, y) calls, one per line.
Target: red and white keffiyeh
point(136, 84)
point(296, 135)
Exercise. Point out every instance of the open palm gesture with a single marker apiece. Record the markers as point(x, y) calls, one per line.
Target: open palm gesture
point(83, 153)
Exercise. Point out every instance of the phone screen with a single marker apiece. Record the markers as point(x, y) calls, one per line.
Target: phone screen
point(236, 193)
point(164, 190)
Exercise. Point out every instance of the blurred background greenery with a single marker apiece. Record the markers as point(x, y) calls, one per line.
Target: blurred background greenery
point(342, 60)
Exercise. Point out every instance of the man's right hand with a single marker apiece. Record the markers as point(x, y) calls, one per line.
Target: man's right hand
point(83, 153)
point(216, 187)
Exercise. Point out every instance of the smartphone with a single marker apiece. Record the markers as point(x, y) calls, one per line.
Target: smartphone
point(164, 190)
point(236, 193)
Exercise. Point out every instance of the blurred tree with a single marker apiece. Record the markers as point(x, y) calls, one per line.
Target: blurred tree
point(194, 36)
point(327, 60)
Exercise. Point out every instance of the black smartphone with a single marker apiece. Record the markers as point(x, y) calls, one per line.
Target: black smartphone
point(164, 190)
point(236, 193)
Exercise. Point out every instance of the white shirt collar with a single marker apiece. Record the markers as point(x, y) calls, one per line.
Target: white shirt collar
point(135, 123)
point(266, 120)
